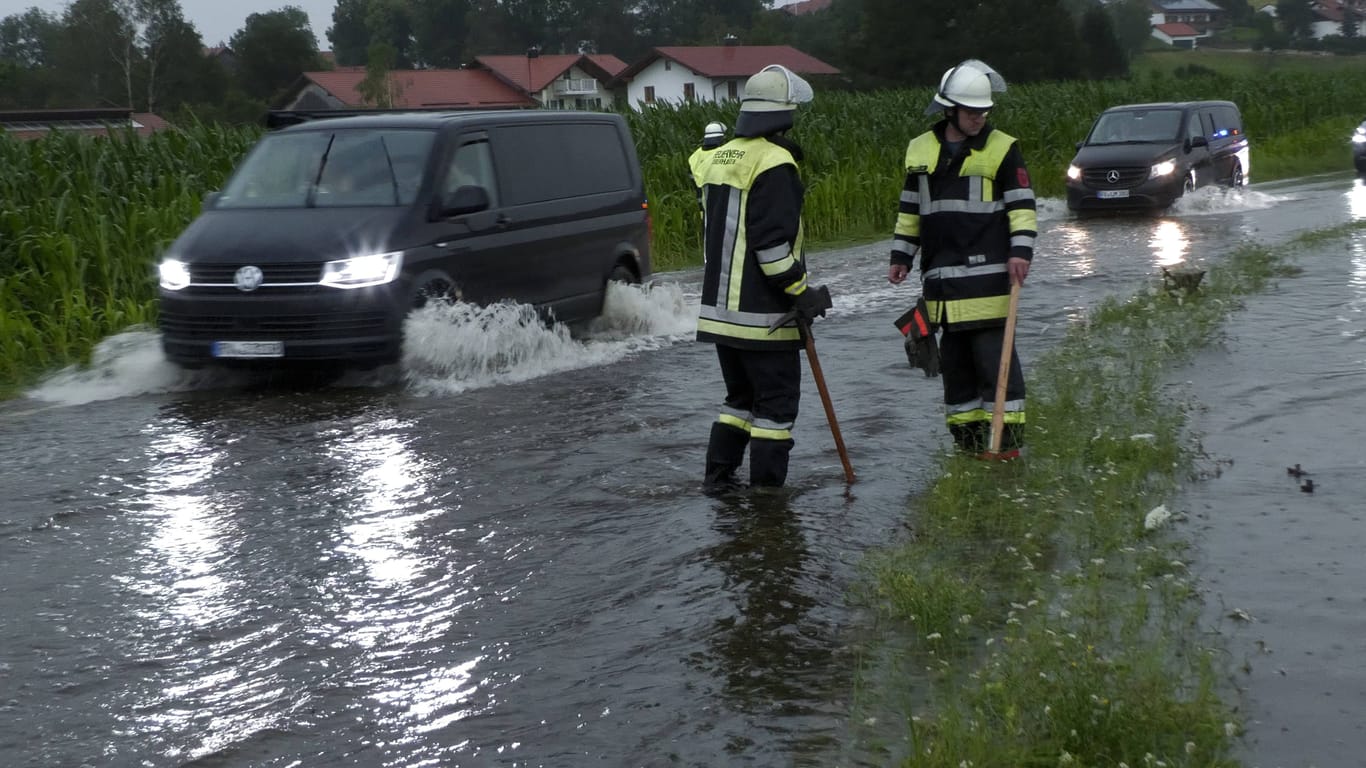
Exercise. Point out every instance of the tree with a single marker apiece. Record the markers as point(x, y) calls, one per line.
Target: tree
point(273, 49)
point(439, 28)
point(95, 56)
point(1132, 23)
point(349, 35)
point(1104, 57)
point(377, 88)
point(1296, 17)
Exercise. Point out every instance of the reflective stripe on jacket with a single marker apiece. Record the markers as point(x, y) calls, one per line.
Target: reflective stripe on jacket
point(966, 215)
point(751, 201)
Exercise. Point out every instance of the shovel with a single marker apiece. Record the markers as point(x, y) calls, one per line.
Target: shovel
point(816, 374)
point(998, 411)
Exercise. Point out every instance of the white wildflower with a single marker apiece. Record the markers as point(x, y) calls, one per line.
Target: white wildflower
point(1156, 517)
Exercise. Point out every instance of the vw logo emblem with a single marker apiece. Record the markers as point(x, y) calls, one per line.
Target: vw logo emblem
point(248, 279)
point(1112, 177)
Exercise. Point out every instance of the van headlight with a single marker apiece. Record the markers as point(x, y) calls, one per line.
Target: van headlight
point(1164, 168)
point(362, 271)
point(1073, 172)
point(1359, 135)
point(174, 274)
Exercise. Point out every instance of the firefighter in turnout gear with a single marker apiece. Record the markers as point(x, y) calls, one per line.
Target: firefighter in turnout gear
point(754, 274)
point(967, 209)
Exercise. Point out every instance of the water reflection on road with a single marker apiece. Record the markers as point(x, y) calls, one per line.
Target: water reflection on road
point(497, 554)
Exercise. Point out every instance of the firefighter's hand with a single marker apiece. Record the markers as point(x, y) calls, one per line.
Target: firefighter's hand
point(897, 273)
point(1018, 269)
point(812, 302)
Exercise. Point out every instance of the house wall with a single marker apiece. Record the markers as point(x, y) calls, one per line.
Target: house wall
point(315, 97)
point(668, 78)
point(579, 90)
point(1325, 28)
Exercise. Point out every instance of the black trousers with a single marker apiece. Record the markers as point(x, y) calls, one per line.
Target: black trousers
point(763, 389)
point(969, 363)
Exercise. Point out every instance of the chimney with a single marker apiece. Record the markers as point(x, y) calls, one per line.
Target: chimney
point(731, 40)
point(533, 51)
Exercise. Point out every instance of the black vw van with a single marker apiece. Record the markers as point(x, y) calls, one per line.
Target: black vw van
point(331, 231)
point(1146, 156)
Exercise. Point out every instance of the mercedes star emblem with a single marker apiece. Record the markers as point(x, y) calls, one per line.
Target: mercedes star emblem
point(1112, 177)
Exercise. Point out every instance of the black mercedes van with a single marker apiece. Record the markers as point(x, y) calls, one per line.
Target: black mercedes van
point(331, 231)
point(1146, 156)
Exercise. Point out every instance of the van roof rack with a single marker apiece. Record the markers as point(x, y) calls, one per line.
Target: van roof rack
point(283, 118)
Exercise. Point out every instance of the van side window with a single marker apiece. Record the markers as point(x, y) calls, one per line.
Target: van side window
point(563, 160)
point(471, 165)
point(1226, 123)
point(1194, 126)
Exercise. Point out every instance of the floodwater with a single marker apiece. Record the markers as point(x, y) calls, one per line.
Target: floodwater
point(499, 554)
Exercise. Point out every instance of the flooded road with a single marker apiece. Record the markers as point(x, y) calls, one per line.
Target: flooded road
point(498, 555)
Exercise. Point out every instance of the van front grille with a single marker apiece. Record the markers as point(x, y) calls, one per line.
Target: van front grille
point(275, 274)
point(1115, 178)
point(185, 325)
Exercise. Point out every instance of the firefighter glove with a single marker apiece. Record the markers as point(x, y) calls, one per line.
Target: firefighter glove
point(812, 302)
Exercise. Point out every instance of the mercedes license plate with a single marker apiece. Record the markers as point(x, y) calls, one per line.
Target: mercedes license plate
point(1112, 194)
point(248, 349)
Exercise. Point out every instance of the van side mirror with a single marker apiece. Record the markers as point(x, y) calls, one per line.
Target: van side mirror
point(463, 200)
point(1196, 141)
point(210, 198)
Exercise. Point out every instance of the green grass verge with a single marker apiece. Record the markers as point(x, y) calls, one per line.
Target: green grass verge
point(1032, 618)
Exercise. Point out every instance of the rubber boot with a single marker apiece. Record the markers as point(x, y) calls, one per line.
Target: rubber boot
point(768, 462)
point(725, 453)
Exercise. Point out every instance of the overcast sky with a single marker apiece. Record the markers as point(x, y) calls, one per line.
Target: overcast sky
point(216, 20)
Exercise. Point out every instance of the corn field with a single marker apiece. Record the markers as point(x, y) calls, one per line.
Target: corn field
point(83, 220)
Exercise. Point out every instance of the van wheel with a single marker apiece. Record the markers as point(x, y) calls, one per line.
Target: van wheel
point(623, 273)
point(1235, 179)
point(434, 286)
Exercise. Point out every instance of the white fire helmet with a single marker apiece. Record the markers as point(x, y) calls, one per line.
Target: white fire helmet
point(970, 84)
point(774, 88)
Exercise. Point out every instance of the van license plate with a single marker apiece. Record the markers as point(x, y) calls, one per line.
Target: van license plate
point(248, 349)
point(1112, 194)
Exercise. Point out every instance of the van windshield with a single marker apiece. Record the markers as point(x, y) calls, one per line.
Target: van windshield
point(1137, 127)
point(351, 167)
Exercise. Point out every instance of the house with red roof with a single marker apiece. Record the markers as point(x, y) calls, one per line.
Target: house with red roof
point(1329, 16)
point(408, 89)
point(708, 73)
point(35, 124)
point(1177, 35)
point(558, 81)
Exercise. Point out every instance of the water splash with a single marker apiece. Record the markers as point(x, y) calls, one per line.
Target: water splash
point(448, 348)
point(127, 364)
point(452, 348)
point(1217, 199)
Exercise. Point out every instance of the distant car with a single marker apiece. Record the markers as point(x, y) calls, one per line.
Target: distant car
point(1146, 156)
point(1359, 148)
point(332, 230)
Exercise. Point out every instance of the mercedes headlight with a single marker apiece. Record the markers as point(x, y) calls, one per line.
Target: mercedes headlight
point(1359, 135)
point(174, 274)
point(362, 271)
point(1073, 172)
point(1164, 168)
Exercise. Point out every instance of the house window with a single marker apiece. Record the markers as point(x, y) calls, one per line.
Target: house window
point(649, 94)
point(668, 65)
point(733, 90)
point(689, 92)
